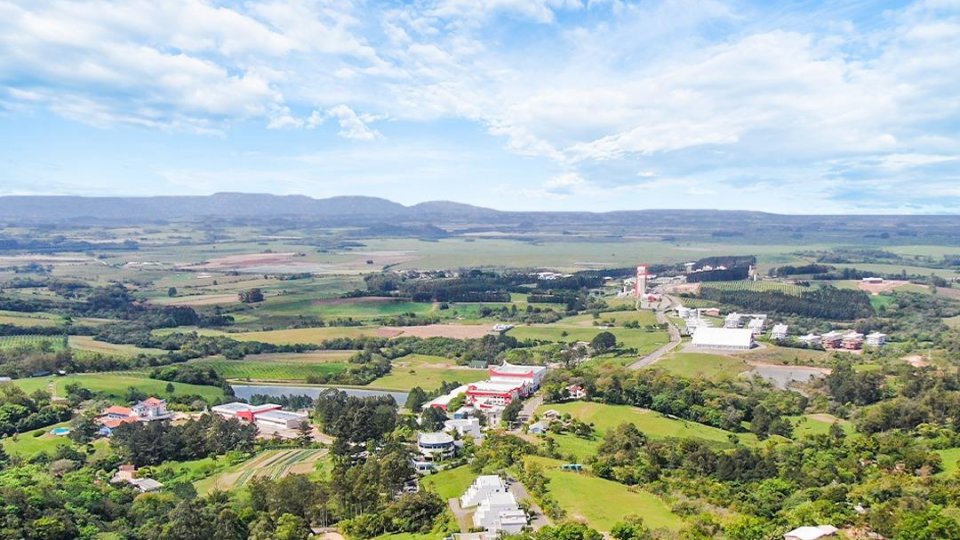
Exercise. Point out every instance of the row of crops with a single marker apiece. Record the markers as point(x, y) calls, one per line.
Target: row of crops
point(262, 370)
point(34, 342)
point(757, 286)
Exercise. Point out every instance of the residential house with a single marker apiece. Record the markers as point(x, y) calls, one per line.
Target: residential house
point(812, 533)
point(482, 487)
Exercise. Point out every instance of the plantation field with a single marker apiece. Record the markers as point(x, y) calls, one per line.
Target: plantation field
point(642, 340)
point(272, 464)
point(87, 343)
point(38, 342)
point(280, 367)
point(758, 286)
point(602, 503)
point(450, 483)
point(700, 365)
point(115, 385)
point(427, 372)
point(656, 426)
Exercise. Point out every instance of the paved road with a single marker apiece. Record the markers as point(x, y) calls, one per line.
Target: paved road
point(539, 520)
point(462, 515)
point(672, 329)
point(530, 406)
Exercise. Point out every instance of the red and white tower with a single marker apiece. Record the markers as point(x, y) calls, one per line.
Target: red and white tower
point(641, 286)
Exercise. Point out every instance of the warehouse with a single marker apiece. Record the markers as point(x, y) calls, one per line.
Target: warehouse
point(281, 419)
point(723, 338)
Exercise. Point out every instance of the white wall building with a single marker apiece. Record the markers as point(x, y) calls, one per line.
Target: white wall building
point(811, 533)
point(482, 487)
point(281, 419)
point(494, 510)
point(723, 338)
point(466, 427)
point(436, 445)
point(779, 332)
point(876, 339)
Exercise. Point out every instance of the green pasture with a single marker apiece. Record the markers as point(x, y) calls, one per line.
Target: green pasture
point(642, 340)
point(817, 424)
point(263, 369)
point(700, 365)
point(305, 335)
point(656, 426)
point(33, 341)
point(114, 385)
point(427, 372)
point(602, 503)
point(19, 318)
point(87, 343)
point(951, 460)
point(450, 483)
point(617, 317)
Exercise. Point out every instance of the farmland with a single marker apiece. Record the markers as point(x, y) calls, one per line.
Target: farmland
point(277, 368)
point(270, 464)
point(427, 372)
point(641, 340)
point(114, 385)
point(36, 342)
point(87, 343)
point(759, 286)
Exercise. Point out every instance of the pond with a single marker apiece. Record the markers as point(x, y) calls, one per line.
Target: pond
point(244, 391)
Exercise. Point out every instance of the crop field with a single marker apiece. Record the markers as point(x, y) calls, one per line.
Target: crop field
point(272, 464)
point(87, 343)
point(358, 308)
point(758, 286)
point(305, 335)
point(426, 372)
point(656, 426)
point(114, 385)
point(282, 368)
point(700, 365)
point(37, 342)
point(602, 503)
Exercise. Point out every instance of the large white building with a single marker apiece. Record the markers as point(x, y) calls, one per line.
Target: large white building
point(723, 338)
point(876, 339)
point(779, 332)
point(812, 533)
point(281, 419)
point(466, 427)
point(436, 445)
point(481, 488)
point(499, 512)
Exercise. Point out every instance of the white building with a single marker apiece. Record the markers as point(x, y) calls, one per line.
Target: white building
point(876, 339)
point(243, 411)
point(723, 338)
point(811, 533)
point(756, 325)
point(441, 402)
point(436, 445)
point(466, 427)
point(811, 340)
point(482, 487)
point(779, 332)
point(150, 409)
point(530, 375)
point(498, 510)
point(732, 320)
point(281, 419)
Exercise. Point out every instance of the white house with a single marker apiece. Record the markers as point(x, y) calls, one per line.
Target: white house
point(723, 338)
point(466, 427)
point(779, 332)
point(150, 409)
point(732, 320)
point(756, 325)
point(876, 339)
point(811, 340)
point(811, 533)
point(482, 487)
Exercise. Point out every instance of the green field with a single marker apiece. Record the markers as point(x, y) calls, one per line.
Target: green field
point(759, 286)
point(653, 424)
point(114, 385)
point(951, 461)
point(773, 354)
point(817, 424)
point(427, 372)
point(32, 341)
point(278, 367)
point(450, 483)
point(645, 342)
point(602, 503)
point(699, 365)
point(305, 335)
point(28, 444)
point(617, 317)
point(22, 319)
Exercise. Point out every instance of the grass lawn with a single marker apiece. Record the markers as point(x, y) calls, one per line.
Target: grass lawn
point(305, 335)
point(427, 372)
point(602, 503)
point(817, 424)
point(950, 457)
point(653, 424)
point(700, 365)
point(451, 482)
point(580, 449)
point(952, 322)
point(27, 444)
point(642, 340)
point(617, 317)
point(87, 343)
point(114, 385)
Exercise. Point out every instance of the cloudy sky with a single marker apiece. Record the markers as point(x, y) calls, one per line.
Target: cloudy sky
point(794, 106)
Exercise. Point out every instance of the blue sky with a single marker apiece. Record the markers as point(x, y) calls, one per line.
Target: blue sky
point(798, 107)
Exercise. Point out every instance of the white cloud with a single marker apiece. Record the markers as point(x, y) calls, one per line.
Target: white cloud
point(352, 125)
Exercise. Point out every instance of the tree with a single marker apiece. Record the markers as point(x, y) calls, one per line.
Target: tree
point(251, 296)
point(432, 419)
point(603, 342)
point(171, 292)
point(304, 434)
point(512, 411)
point(416, 398)
point(291, 527)
point(170, 388)
point(748, 528)
point(631, 528)
point(928, 525)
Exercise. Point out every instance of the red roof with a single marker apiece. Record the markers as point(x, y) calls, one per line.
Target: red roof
point(114, 422)
point(116, 409)
point(153, 402)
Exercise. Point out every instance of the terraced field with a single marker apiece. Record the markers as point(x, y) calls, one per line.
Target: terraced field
point(271, 464)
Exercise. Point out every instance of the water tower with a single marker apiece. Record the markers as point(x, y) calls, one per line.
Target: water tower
point(642, 277)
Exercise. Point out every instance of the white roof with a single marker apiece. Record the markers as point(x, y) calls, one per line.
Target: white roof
point(810, 337)
point(434, 438)
point(237, 406)
point(833, 334)
point(876, 335)
point(811, 533)
point(282, 416)
point(447, 398)
point(780, 328)
point(496, 385)
point(146, 484)
point(488, 480)
point(500, 498)
point(723, 337)
point(513, 369)
point(512, 517)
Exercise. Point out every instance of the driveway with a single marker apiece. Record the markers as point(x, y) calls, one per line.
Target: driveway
point(462, 515)
point(538, 519)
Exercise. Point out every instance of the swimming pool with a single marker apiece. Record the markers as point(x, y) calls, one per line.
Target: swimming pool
point(60, 431)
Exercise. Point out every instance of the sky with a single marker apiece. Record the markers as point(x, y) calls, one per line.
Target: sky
point(590, 105)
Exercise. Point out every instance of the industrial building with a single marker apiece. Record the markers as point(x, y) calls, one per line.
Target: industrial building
point(281, 419)
point(779, 332)
point(723, 338)
point(268, 415)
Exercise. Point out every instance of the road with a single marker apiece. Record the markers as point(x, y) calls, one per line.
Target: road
point(672, 329)
point(530, 406)
point(538, 520)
